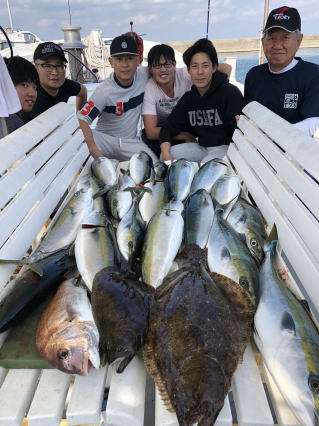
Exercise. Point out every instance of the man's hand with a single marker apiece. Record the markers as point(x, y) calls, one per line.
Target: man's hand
point(186, 137)
point(165, 148)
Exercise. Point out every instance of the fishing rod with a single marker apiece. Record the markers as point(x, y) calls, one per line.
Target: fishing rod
point(207, 24)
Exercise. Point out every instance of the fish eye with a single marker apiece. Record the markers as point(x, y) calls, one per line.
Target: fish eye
point(314, 384)
point(253, 242)
point(244, 283)
point(63, 353)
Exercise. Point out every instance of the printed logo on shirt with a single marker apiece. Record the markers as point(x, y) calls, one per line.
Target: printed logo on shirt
point(205, 117)
point(121, 107)
point(90, 110)
point(291, 100)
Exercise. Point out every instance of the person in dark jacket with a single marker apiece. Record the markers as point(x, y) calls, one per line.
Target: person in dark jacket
point(50, 62)
point(208, 111)
point(25, 79)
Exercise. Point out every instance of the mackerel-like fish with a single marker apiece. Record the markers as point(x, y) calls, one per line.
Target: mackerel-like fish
point(179, 179)
point(104, 170)
point(63, 232)
point(67, 336)
point(94, 246)
point(199, 327)
point(140, 167)
point(163, 238)
point(288, 341)
point(119, 201)
point(21, 295)
point(248, 221)
point(228, 255)
point(160, 170)
point(198, 216)
point(225, 189)
point(208, 174)
point(152, 201)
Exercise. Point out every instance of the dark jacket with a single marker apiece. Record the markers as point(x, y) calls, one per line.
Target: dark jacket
point(210, 117)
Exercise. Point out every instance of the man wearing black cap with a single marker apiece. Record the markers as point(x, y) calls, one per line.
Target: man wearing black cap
point(286, 85)
point(50, 62)
point(117, 103)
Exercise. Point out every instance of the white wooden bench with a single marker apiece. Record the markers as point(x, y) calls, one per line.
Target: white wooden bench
point(42, 159)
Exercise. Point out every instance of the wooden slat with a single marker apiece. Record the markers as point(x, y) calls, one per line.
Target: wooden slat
point(301, 147)
point(26, 168)
point(30, 134)
point(247, 387)
point(49, 399)
point(15, 395)
point(125, 405)
point(22, 238)
point(287, 170)
point(86, 398)
point(302, 220)
point(14, 213)
point(297, 253)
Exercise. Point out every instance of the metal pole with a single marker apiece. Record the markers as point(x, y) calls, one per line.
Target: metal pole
point(9, 12)
point(208, 9)
point(266, 12)
point(69, 13)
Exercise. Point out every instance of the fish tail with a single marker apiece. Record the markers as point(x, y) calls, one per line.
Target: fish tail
point(272, 240)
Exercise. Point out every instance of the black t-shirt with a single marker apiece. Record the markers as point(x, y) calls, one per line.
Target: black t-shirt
point(293, 95)
point(45, 101)
point(14, 121)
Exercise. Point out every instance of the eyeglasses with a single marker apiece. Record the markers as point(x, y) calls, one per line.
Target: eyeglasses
point(50, 67)
point(166, 65)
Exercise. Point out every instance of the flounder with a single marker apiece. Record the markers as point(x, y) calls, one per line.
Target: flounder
point(200, 324)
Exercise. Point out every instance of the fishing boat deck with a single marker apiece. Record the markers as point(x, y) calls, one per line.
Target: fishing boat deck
point(38, 164)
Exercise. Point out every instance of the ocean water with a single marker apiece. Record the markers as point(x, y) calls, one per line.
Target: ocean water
point(245, 61)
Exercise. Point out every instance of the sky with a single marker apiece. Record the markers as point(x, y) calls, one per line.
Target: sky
point(158, 20)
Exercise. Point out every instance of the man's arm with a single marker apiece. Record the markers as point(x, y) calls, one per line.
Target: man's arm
point(88, 135)
point(81, 97)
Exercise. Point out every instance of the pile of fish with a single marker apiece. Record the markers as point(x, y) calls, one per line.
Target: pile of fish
point(167, 257)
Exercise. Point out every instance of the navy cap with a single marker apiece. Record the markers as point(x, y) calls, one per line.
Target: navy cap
point(286, 18)
point(123, 45)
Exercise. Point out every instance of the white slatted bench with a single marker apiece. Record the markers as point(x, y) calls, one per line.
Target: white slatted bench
point(287, 192)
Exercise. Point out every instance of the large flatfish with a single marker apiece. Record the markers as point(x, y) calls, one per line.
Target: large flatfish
point(120, 305)
point(199, 327)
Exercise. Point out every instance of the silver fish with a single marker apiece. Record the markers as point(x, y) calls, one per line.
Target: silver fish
point(140, 167)
point(179, 179)
point(198, 216)
point(104, 170)
point(63, 232)
point(160, 170)
point(118, 200)
point(94, 247)
point(153, 201)
point(225, 189)
point(229, 256)
point(163, 238)
point(288, 341)
point(248, 221)
point(130, 233)
point(208, 174)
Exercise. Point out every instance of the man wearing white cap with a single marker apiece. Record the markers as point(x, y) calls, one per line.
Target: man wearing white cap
point(117, 103)
point(286, 85)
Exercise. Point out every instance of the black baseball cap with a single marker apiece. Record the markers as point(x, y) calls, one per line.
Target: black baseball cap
point(123, 45)
point(286, 18)
point(47, 49)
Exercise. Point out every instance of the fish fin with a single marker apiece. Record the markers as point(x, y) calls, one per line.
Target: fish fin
point(72, 249)
point(35, 267)
point(272, 240)
point(241, 306)
point(151, 366)
point(124, 363)
point(304, 303)
point(288, 323)
point(225, 254)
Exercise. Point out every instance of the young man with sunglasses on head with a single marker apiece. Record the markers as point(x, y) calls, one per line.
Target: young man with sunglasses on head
point(162, 92)
point(50, 62)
